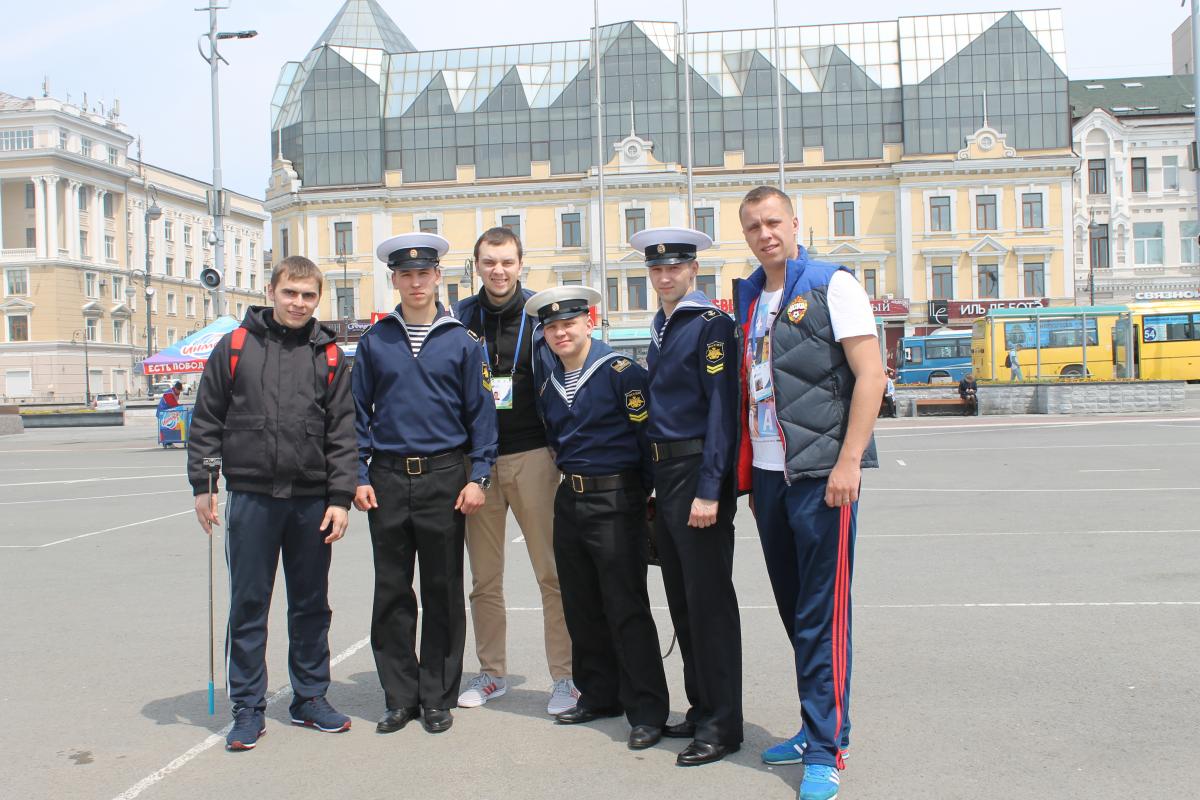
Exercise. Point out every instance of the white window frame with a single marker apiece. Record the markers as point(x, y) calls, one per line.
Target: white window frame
point(189, 305)
point(110, 248)
point(120, 328)
point(559, 213)
point(118, 288)
point(91, 285)
point(715, 204)
point(417, 217)
point(1161, 239)
point(519, 213)
point(1020, 193)
point(926, 199)
point(1175, 167)
point(972, 194)
point(172, 305)
point(13, 271)
point(843, 198)
point(8, 377)
point(90, 324)
point(8, 316)
point(629, 206)
point(168, 230)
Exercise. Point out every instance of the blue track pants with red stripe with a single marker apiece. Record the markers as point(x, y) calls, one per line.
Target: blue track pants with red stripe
point(809, 550)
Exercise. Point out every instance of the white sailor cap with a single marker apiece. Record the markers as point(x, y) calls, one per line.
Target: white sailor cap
point(412, 250)
point(663, 246)
point(562, 302)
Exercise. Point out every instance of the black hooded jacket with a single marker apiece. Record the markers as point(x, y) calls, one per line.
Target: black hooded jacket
point(280, 427)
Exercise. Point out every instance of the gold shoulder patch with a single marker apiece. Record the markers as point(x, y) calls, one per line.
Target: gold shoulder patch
point(635, 404)
point(620, 365)
point(473, 334)
point(714, 356)
point(487, 376)
point(712, 313)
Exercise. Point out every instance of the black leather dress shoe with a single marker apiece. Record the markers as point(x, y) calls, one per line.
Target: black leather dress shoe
point(698, 753)
point(578, 714)
point(683, 730)
point(643, 736)
point(397, 718)
point(437, 720)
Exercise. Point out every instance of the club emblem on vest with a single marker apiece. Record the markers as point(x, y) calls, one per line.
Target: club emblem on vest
point(797, 309)
point(714, 354)
point(635, 404)
point(620, 365)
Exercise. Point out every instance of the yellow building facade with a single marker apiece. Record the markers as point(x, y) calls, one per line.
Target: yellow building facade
point(73, 254)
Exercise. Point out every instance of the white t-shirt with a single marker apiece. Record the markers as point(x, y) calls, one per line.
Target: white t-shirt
point(850, 315)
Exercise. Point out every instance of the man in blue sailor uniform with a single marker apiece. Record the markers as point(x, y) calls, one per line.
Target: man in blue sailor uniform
point(693, 430)
point(595, 406)
point(423, 396)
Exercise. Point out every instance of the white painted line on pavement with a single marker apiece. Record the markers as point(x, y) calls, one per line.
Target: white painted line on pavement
point(1132, 469)
point(931, 430)
point(57, 500)
point(984, 448)
point(219, 737)
point(144, 448)
point(1037, 605)
point(67, 469)
point(900, 461)
point(1039, 490)
point(94, 480)
point(94, 533)
point(976, 534)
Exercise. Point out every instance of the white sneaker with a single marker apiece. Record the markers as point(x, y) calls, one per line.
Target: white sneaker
point(563, 697)
point(483, 687)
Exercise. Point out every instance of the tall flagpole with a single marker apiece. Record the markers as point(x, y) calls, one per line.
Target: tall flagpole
point(779, 99)
point(600, 160)
point(687, 117)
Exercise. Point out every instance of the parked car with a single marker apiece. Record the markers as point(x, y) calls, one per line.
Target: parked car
point(159, 389)
point(106, 402)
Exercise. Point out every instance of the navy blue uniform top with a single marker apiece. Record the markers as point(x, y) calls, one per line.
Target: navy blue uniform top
point(422, 405)
point(603, 431)
point(694, 385)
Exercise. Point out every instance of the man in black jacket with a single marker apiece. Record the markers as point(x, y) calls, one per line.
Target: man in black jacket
point(274, 404)
point(524, 479)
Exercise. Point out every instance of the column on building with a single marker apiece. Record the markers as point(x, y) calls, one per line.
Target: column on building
point(39, 215)
point(73, 219)
point(52, 216)
point(96, 238)
point(1, 214)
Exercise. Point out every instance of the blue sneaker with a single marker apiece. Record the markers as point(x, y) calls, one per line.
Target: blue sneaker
point(789, 752)
point(315, 712)
point(792, 751)
point(248, 725)
point(820, 782)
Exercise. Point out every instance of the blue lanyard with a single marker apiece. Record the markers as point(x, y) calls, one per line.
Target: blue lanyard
point(520, 338)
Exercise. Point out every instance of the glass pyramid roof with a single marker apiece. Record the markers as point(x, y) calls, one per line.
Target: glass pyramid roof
point(364, 23)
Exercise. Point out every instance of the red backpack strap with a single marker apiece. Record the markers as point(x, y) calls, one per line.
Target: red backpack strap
point(332, 353)
point(236, 343)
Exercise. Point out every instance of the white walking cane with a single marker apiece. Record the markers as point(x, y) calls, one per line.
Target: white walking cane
point(213, 467)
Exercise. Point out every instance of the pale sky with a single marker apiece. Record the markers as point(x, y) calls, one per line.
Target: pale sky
point(144, 52)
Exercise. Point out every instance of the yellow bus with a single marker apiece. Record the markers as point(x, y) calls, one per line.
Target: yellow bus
point(1064, 352)
point(1166, 340)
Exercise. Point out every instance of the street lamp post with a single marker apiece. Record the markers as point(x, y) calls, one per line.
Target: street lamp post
point(87, 372)
point(217, 205)
point(153, 212)
point(1093, 229)
point(467, 281)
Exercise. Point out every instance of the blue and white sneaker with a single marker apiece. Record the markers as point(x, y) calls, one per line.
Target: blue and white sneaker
point(820, 782)
point(248, 725)
point(792, 751)
point(788, 752)
point(315, 712)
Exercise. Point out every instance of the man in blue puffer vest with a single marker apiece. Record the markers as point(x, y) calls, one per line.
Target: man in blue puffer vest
point(812, 377)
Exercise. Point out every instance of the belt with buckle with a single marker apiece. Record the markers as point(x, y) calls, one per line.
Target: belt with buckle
point(665, 451)
point(418, 465)
point(581, 484)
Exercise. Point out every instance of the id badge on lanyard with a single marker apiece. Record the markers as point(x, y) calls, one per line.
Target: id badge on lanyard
point(502, 387)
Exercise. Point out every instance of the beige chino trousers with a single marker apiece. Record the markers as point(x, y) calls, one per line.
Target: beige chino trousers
point(526, 483)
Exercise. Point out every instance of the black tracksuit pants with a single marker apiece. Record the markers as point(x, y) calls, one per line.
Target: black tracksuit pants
point(697, 571)
point(258, 528)
point(416, 522)
point(599, 549)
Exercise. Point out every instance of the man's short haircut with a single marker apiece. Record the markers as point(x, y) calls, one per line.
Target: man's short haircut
point(177, 385)
point(761, 193)
point(498, 236)
point(297, 268)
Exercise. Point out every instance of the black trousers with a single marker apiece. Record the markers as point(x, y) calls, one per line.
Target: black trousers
point(258, 528)
point(416, 522)
point(599, 549)
point(697, 570)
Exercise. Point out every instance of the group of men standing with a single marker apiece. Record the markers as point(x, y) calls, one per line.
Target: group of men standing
point(535, 415)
